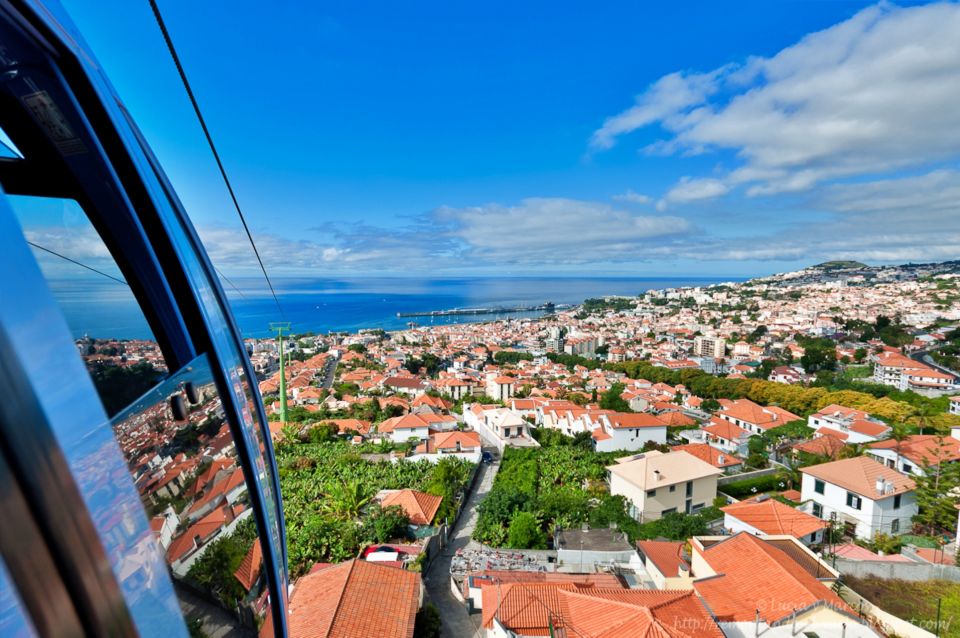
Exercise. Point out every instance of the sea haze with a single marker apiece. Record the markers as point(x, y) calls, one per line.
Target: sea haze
point(101, 308)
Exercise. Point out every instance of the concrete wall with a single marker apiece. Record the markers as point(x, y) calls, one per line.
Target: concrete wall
point(901, 571)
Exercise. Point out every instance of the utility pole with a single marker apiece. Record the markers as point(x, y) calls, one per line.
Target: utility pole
point(279, 327)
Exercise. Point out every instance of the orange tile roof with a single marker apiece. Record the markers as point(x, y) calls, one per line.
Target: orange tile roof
point(773, 517)
point(766, 417)
point(754, 575)
point(708, 453)
point(666, 555)
point(725, 430)
point(635, 420)
point(825, 445)
point(926, 449)
point(355, 599)
point(591, 612)
point(250, 566)
point(860, 474)
point(419, 507)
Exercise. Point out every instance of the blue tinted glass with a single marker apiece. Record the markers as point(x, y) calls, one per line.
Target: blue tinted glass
point(13, 618)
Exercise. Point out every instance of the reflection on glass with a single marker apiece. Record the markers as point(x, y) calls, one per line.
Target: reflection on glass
point(13, 619)
point(182, 457)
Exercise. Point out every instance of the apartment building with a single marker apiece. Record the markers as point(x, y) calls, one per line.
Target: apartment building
point(656, 484)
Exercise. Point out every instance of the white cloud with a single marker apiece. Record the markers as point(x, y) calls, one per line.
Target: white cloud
point(633, 198)
point(692, 190)
point(874, 94)
point(663, 100)
point(557, 230)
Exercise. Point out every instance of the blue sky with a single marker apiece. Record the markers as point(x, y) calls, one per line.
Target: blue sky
point(633, 139)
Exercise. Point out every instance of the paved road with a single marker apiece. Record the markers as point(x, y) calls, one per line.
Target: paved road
point(457, 623)
point(328, 374)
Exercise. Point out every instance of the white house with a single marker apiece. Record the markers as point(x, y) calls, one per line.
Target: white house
point(954, 405)
point(918, 452)
point(401, 429)
point(765, 516)
point(500, 388)
point(863, 495)
point(627, 431)
point(501, 426)
point(848, 424)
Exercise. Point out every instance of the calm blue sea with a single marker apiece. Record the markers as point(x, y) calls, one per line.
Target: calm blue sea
point(106, 309)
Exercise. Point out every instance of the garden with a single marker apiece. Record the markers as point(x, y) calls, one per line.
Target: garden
point(563, 485)
point(328, 489)
point(914, 601)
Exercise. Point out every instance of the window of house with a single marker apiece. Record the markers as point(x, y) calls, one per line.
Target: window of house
point(818, 510)
point(896, 501)
point(673, 488)
point(651, 493)
point(689, 488)
point(819, 486)
point(895, 526)
point(907, 468)
point(853, 500)
point(669, 510)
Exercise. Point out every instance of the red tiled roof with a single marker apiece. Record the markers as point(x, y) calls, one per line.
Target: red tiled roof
point(419, 507)
point(926, 449)
point(250, 566)
point(825, 445)
point(773, 517)
point(355, 599)
point(754, 575)
point(666, 555)
point(708, 453)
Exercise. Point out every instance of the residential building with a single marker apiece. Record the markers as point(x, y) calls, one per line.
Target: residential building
point(500, 388)
point(724, 461)
point(754, 418)
point(401, 429)
point(655, 483)
point(847, 424)
point(501, 426)
point(861, 494)
point(354, 598)
point(420, 507)
point(564, 609)
point(626, 431)
point(769, 587)
point(765, 516)
point(726, 436)
point(917, 454)
point(712, 347)
point(667, 563)
point(902, 372)
point(954, 405)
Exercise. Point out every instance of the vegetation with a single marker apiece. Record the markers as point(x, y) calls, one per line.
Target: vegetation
point(327, 493)
point(509, 356)
point(914, 601)
point(571, 360)
point(616, 304)
point(881, 401)
point(213, 571)
point(751, 486)
point(611, 399)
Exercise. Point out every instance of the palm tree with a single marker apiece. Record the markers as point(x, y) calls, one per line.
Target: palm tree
point(852, 450)
point(346, 499)
point(898, 433)
point(789, 473)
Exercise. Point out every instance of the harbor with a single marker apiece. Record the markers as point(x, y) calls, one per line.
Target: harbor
point(546, 307)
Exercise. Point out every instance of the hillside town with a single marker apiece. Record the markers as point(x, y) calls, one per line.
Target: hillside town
point(777, 457)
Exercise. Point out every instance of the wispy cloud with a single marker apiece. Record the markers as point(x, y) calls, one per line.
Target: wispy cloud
point(874, 94)
point(633, 198)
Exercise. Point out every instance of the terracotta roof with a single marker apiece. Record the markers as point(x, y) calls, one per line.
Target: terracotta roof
point(590, 612)
point(355, 599)
point(666, 555)
point(725, 430)
point(708, 454)
point(754, 575)
point(766, 417)
point(824, 445)
point(773, 517)
point(419, 507)
point(926, 449)
point(250, 566)
point(635, 420)
point(860, 475)
point(448, 440)
point(855, 552)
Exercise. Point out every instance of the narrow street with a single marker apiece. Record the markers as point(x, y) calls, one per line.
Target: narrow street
point(457, 623)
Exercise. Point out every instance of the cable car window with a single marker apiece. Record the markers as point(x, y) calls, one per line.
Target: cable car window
point(171, 429)
point(14, 622)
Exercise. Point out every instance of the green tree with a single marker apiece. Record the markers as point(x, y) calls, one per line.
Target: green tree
point(346, 499)
point(525, 532)
point(611, 399)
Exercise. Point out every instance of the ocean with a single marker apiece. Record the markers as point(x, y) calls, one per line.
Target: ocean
point(102, 309)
